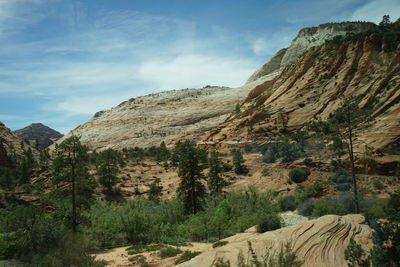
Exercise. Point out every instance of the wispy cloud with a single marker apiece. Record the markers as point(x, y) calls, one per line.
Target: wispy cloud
point(374, 10)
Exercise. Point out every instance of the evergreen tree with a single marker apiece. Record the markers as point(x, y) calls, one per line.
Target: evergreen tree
point(238, 161)
point(72, 178)
point(7, 178)
point(341, 129)
point(155, 190)
point(191, 189)
point(109, 163)
point(27, 164)
point(215, 181)
point(162, 153)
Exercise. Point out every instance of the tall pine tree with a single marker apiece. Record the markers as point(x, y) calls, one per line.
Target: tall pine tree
point(109, 163)
point(215, 182)
point(191, 188)
point(72, 178)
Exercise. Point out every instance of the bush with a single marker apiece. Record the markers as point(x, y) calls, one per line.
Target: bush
point(306, 208)
point(314, 190)
point(378, 184)
point(269, 222)
point(344, 187)
point(374, 208)
point(308, 162)
point(327, 206)
point(220, 244)
point(268, 157)
point(288, 202)
point(169, 252)
point(341, 177)
point(186, 256)
point(265, 172)
point(299, 175)
point(288, 152)
point(226, 167)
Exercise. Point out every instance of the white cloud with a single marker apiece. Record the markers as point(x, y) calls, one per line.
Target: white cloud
point(374, 10)
point(18, 14)
point(195, 70)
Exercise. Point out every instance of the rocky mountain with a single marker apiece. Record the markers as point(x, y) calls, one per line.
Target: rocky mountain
point(313, 86)
point(11, 147)
point(168, 116)
point(305, 39)
point(38, 135)
point(318, 242)
point(302, 82)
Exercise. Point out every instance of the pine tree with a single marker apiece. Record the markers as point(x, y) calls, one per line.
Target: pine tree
point(191, 189)
point(341, 129)
point(109, 163)
point(155, 190)
point(238, 161)
point(72, 177)
point(215, 182)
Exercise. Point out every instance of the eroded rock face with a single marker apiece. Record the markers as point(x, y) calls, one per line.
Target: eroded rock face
point(11, 147)
point(319, 242)
point(168, 116)
point(313, 87)
point(305, 39)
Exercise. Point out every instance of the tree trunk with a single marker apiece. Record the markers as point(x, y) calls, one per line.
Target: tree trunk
point(74, 223)
point(353, 173)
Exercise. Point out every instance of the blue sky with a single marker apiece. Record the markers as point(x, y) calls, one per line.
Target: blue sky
point(63, 60)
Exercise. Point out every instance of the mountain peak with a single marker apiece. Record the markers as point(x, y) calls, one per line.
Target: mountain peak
point(39, 134)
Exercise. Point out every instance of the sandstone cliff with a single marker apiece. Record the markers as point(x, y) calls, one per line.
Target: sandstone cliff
point(168, 116)
point(312, 87)
point(305, 39)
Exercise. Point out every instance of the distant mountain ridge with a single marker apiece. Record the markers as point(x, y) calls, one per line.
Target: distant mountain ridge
point(39, 135)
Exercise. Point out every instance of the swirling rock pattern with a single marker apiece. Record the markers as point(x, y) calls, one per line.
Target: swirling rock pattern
point(318, 242)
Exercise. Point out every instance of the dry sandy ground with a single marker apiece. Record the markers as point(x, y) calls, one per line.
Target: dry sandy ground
point(118, 257)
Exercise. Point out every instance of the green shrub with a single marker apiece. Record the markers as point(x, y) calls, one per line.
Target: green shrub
point(341, 177)
point(312, 191)
point(269, 157)
point(288, 202)
point(226, 167)
point(220, 243)
point(327, 206)
point(306, 208)
point(308, 162)
point(137, 259)
point(169, 252)
point(343, 187)
point(299, 175)
point(186, 256)
point(378, 184)
point(374, 209)
point(269, 222)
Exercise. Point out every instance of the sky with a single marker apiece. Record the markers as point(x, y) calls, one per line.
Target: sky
point(63, 60)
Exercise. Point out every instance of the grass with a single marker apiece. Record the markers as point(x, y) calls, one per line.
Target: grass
point(136, 249)
point(219, 244)
point(169, 252)
point(186, 256)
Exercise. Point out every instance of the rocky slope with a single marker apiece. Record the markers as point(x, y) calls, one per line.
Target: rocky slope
point(307, 38)
point(11, 147)
point(319, 242)
point(313, 86)
point(39, 135)
point(168, 116)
